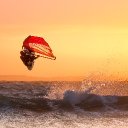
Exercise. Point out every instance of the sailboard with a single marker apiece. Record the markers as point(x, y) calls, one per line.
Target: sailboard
point(39, 46)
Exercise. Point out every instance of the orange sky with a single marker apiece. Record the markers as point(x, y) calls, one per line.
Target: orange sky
point(87, 36)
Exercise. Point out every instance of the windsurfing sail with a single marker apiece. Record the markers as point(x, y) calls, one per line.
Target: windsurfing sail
point(39, 46)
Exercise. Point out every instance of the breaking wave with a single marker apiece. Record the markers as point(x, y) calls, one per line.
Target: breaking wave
point(51, 96)
point(86, 104)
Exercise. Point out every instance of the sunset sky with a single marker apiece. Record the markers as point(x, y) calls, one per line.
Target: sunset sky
point(87, 36)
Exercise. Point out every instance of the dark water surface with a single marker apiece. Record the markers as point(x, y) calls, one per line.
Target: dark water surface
point(86, 104)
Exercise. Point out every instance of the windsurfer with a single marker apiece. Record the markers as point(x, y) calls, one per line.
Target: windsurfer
point(28, 58)
point(34, 47)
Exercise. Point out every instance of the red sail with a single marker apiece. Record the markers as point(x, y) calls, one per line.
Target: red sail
point(38, 45)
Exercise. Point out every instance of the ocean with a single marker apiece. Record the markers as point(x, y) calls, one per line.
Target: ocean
point(64, 104)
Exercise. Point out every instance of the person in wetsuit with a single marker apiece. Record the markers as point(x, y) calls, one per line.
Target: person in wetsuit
point(28, 58)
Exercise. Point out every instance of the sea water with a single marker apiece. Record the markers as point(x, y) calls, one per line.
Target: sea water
point(81, 104)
